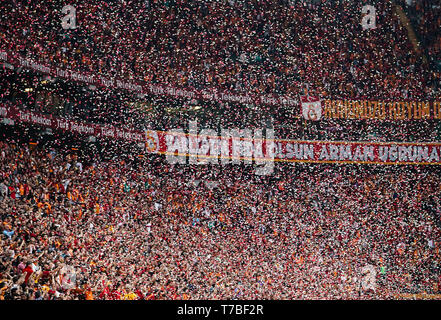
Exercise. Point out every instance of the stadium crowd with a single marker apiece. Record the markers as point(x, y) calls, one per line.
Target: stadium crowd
point(73, 229)
point(281, 47)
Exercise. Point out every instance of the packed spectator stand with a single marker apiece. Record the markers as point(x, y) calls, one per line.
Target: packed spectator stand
point(104, 223)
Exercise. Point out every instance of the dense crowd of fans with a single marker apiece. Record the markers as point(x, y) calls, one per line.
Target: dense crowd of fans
point(116, 228)
point(426, 17)
point(120, 230)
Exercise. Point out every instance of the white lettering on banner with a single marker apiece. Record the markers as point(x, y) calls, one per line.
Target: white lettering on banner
point(358, 155)
point(333, 152)
point(3, 111)
point(369, 153)
point(225, 145)
point(308, 152)
point(193, 141)
point(156, 89)
point(127, 135)
point(81, 128)
point(344, 153)
point(32, 65)
point(253, 146)
point(324, 155)
point(24, 116)
point(278, 150)
point(365, 155)
point(209, 146)
point(406, 154)
point(62, 73)
point(388, 153)
point(412, 153)
point(209, 95)
point(204, 149)
point(119, 134)
point(240, 146)
point(24, 62)
point(40, 67)
point(423, 153)
point(287, 101)
point(179, 92)
point(299, 151)
point(136, 136)
point(234, 98)
point(244, 145)
point(33, 118)
point(434, 156)
point(403, 153)
point(266, 167)
point(289, 150)
point(393, 153)
point(81, 77)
